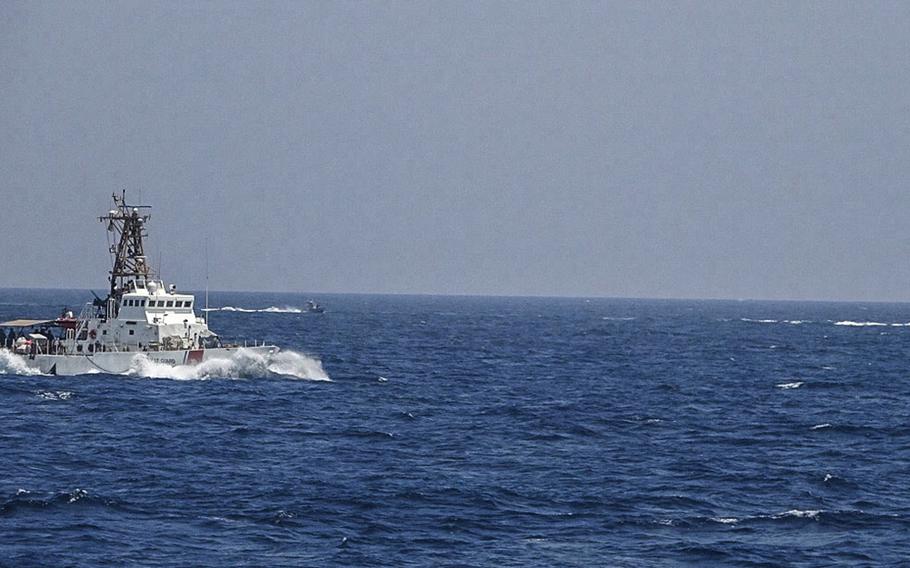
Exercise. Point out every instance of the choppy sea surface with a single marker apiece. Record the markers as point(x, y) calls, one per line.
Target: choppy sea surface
point(466, 431)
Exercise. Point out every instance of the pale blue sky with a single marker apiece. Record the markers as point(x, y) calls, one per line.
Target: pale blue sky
point(653, 149)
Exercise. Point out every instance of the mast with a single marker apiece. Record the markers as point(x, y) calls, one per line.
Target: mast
point(128, 225)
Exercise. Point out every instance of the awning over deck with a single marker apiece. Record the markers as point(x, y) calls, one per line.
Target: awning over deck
point(23, 323)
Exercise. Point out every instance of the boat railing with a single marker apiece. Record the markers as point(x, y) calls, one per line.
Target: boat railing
point(233, 343)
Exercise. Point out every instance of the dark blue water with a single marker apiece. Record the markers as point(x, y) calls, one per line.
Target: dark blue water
point(479, 432)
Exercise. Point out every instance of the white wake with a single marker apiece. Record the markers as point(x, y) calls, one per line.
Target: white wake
point(12, 364)
point(268, 310)
point(243, 364)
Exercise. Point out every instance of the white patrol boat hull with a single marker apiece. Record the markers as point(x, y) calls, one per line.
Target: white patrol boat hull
point(142, 327)
point(129, 362)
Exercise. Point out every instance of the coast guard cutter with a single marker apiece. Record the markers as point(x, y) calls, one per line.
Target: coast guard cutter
point(140, 317)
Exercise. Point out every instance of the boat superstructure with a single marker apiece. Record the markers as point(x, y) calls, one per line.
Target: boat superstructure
point(140, 315)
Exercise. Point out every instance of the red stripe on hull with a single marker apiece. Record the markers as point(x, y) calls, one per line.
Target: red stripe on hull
point(193, 357)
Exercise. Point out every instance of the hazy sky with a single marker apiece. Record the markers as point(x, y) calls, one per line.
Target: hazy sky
point(708, 150)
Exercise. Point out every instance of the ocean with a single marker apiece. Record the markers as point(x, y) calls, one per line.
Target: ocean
point(474, 431)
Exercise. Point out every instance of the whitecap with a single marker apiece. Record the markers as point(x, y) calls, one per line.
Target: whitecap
point(54, 395)
point(799, 514)
point(758, 320)
point(77, 494)
point(793, 385)
point(849, 323)
point(820, 426)
point(725, 520)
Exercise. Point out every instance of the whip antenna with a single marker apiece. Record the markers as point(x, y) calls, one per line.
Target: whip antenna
point(206, 281)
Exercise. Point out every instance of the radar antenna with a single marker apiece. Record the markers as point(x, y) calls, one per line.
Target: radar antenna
point(127, 222)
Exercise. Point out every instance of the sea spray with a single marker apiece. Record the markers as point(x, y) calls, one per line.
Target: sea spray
point(12, 364)
point(243, 364)
point(294, 364)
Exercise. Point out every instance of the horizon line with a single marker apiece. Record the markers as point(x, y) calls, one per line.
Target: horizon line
point(499, 295)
